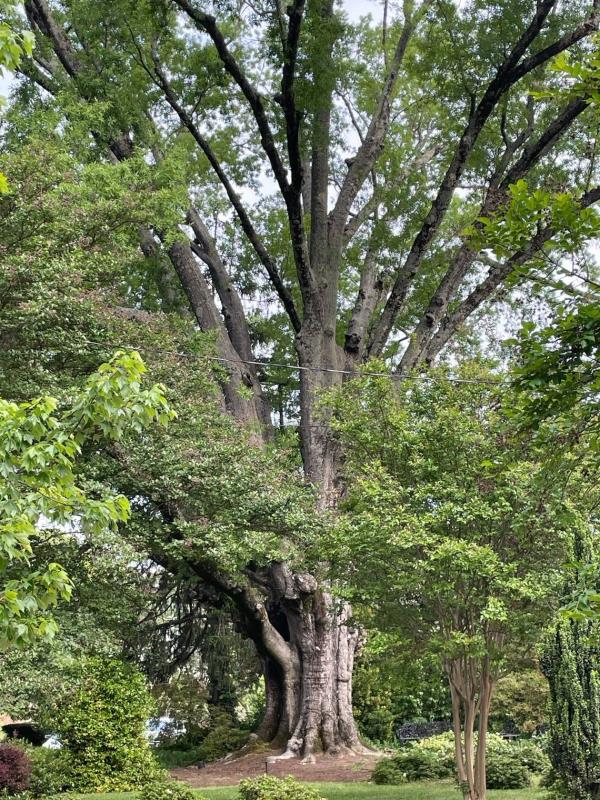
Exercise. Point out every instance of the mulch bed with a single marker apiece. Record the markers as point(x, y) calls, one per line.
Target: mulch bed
point(229, 771)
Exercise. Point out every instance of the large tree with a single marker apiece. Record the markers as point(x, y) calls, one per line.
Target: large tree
point(338, 193)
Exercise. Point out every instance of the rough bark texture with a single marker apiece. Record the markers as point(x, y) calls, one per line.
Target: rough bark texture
point(309, 689)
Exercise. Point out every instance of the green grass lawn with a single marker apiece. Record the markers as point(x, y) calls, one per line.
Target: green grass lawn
point(362, 791)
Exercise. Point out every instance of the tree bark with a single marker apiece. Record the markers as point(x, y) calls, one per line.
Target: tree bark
point(471, 686)
point(309, 686)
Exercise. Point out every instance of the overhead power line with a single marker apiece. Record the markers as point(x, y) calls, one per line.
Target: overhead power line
point(294, 367)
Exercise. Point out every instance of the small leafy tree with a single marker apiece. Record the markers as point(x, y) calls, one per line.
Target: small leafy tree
point(451, 533)
point(39, 447)
point(570, 661)
point(101, 723)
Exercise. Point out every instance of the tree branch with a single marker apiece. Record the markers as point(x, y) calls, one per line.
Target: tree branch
point(506, 76)
point(466, 255)
point(208, 24)
point(496, 276)
point(373, 141)
point(247, 226)
point(39, 15)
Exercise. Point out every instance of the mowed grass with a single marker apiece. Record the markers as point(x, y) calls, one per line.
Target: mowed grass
point(359, 791)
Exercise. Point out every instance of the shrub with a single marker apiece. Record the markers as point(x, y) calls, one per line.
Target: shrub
point(15, 769)
point(172, 758)
point(101, 723)
point(532, 756)
point(387, 772)
point(267, 787)
point(50, 770)
point(168, 790)
point(433, 758)
point(223, 738)
point(421, 764)
point(505, 771)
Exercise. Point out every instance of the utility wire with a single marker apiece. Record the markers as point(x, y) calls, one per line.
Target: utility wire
point(293, 367)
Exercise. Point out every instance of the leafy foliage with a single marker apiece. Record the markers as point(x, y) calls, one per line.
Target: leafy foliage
point(559, 373)
point(504, 772)
point(167, 790)
point(450, 529)
point(521, 699)
point(510, 764)
point(570, 663)
point(38, 490)
point(15, 769)
point(101, 723)
point(391, 686)
point(223, 738)
point(268, 787)
point(14, 44)
point(50, 772)
point(441, 499)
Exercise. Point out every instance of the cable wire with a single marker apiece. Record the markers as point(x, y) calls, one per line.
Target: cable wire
point(295, 367)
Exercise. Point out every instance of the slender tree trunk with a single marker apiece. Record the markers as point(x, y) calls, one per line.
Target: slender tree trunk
point(471, 687)
point(459, 756)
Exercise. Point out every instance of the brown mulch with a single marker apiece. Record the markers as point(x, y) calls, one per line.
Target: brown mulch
point(231, 770)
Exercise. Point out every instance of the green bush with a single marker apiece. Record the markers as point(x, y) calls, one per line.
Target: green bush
point(387, 772)
point(224, 737)
point(422, 764)
point(504, 771)
point(533, 756)
point(172, 758)
point(50, 772)
point(101, 722)
point(168, 790)
point(433, 759)
point(267, 787)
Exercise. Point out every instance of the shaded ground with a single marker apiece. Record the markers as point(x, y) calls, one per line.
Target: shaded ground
point(230, 771)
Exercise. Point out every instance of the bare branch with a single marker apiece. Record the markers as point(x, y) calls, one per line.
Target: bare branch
point(373, 141)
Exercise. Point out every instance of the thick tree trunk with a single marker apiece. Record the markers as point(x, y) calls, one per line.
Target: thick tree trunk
point(309, 691)
point(321, 361)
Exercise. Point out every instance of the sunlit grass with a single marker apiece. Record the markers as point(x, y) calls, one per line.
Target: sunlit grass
point(360, 791)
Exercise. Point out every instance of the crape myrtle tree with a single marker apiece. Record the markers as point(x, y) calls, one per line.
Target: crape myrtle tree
point(453, 534)
point(333, 192)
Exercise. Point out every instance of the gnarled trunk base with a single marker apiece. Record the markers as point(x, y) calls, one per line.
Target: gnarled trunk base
point(309, 692)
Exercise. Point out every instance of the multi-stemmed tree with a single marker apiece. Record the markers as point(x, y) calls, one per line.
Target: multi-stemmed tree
point(327, 192)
